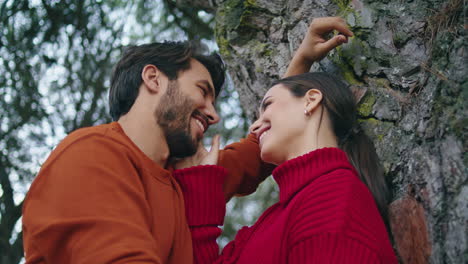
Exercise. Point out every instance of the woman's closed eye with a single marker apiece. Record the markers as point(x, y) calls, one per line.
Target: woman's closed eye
point(265, 105)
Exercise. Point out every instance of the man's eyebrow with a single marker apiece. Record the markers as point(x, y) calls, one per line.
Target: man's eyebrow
point(208, 84)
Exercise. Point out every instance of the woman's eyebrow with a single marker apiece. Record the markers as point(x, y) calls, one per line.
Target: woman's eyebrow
point(263, 102)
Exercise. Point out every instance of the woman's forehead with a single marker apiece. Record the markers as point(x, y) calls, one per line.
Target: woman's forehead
point(275, 90)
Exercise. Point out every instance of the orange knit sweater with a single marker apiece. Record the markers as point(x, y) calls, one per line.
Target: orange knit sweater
point(99, 199)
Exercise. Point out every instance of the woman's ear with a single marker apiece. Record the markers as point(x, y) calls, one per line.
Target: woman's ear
point(313, 99)
point(151, 77)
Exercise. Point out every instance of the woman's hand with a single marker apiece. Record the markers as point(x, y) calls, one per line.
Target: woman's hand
point(201, 157)
point(316, 46)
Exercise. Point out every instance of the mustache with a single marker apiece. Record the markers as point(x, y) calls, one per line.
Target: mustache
point(200, 114)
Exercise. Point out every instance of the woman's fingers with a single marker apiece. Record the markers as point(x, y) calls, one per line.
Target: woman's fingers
point(214, 151)
point(215, 144)
point(332, 43)
point(211, 157)
point(325, 25)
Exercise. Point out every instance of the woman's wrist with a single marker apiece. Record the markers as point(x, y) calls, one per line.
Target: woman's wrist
point(202, 187)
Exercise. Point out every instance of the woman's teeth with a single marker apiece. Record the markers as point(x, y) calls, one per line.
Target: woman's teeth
point(263, 134)
point(200, 125)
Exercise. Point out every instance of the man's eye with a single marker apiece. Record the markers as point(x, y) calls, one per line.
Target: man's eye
point(203, 90)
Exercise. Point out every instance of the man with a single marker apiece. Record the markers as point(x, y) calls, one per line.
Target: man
point(105, 194)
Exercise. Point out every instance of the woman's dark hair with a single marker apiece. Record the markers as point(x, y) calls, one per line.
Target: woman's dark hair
point(340, 104)
point(171, 58)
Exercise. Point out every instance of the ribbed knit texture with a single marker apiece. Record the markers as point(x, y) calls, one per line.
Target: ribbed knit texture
point(325, 215)
point(208, 206)
point(205, 206)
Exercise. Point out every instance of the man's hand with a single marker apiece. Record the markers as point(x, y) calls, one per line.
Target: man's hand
point(316, 46)
point(202, 157)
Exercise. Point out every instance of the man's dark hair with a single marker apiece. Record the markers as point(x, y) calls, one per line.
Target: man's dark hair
point(171, 58)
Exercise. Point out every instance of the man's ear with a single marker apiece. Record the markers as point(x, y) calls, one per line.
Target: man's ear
point(313, 98)
point(151, 77)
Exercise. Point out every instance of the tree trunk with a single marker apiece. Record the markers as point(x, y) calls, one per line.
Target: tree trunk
point(409, 57)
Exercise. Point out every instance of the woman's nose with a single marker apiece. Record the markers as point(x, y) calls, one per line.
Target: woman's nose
point(255, 126)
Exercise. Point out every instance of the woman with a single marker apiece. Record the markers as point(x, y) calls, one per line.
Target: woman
point(330, 182)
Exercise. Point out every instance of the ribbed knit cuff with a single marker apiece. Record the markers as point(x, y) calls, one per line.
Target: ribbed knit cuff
point(203, 194)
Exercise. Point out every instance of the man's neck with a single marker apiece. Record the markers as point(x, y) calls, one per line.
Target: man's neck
point(147, 136)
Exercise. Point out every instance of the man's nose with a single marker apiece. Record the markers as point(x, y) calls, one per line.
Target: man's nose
point(212, 115)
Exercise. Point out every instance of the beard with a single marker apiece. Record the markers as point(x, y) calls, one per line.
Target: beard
point(173, 116)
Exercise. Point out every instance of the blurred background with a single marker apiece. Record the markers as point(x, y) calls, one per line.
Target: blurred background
point(56, 59)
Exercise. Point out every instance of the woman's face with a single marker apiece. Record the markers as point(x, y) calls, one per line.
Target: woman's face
point(280, 127)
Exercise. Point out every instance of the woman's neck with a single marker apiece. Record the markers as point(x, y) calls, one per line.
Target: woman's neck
point(325, 138)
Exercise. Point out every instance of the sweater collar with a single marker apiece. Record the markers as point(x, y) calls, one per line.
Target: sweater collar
point(149, 164)
point(296, 173)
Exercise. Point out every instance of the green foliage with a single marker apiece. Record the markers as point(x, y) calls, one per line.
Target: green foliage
point(54, 66)
point(178, 21)
point(365, 106)
point(236, 23)
point(343, 6)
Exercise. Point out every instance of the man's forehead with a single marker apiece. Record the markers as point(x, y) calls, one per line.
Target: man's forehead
point(198, 69)
point(200, 74)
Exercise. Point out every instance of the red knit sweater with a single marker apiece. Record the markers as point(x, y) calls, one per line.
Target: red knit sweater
point(325, 214)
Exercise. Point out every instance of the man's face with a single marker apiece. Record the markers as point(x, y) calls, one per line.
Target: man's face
point(187, 110)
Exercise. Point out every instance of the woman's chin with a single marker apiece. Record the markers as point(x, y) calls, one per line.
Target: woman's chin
point(267, 157)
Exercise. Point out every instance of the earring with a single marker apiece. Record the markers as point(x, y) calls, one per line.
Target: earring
point(305, 112)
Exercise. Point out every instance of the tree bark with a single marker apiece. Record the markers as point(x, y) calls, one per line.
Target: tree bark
point(410, 59)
